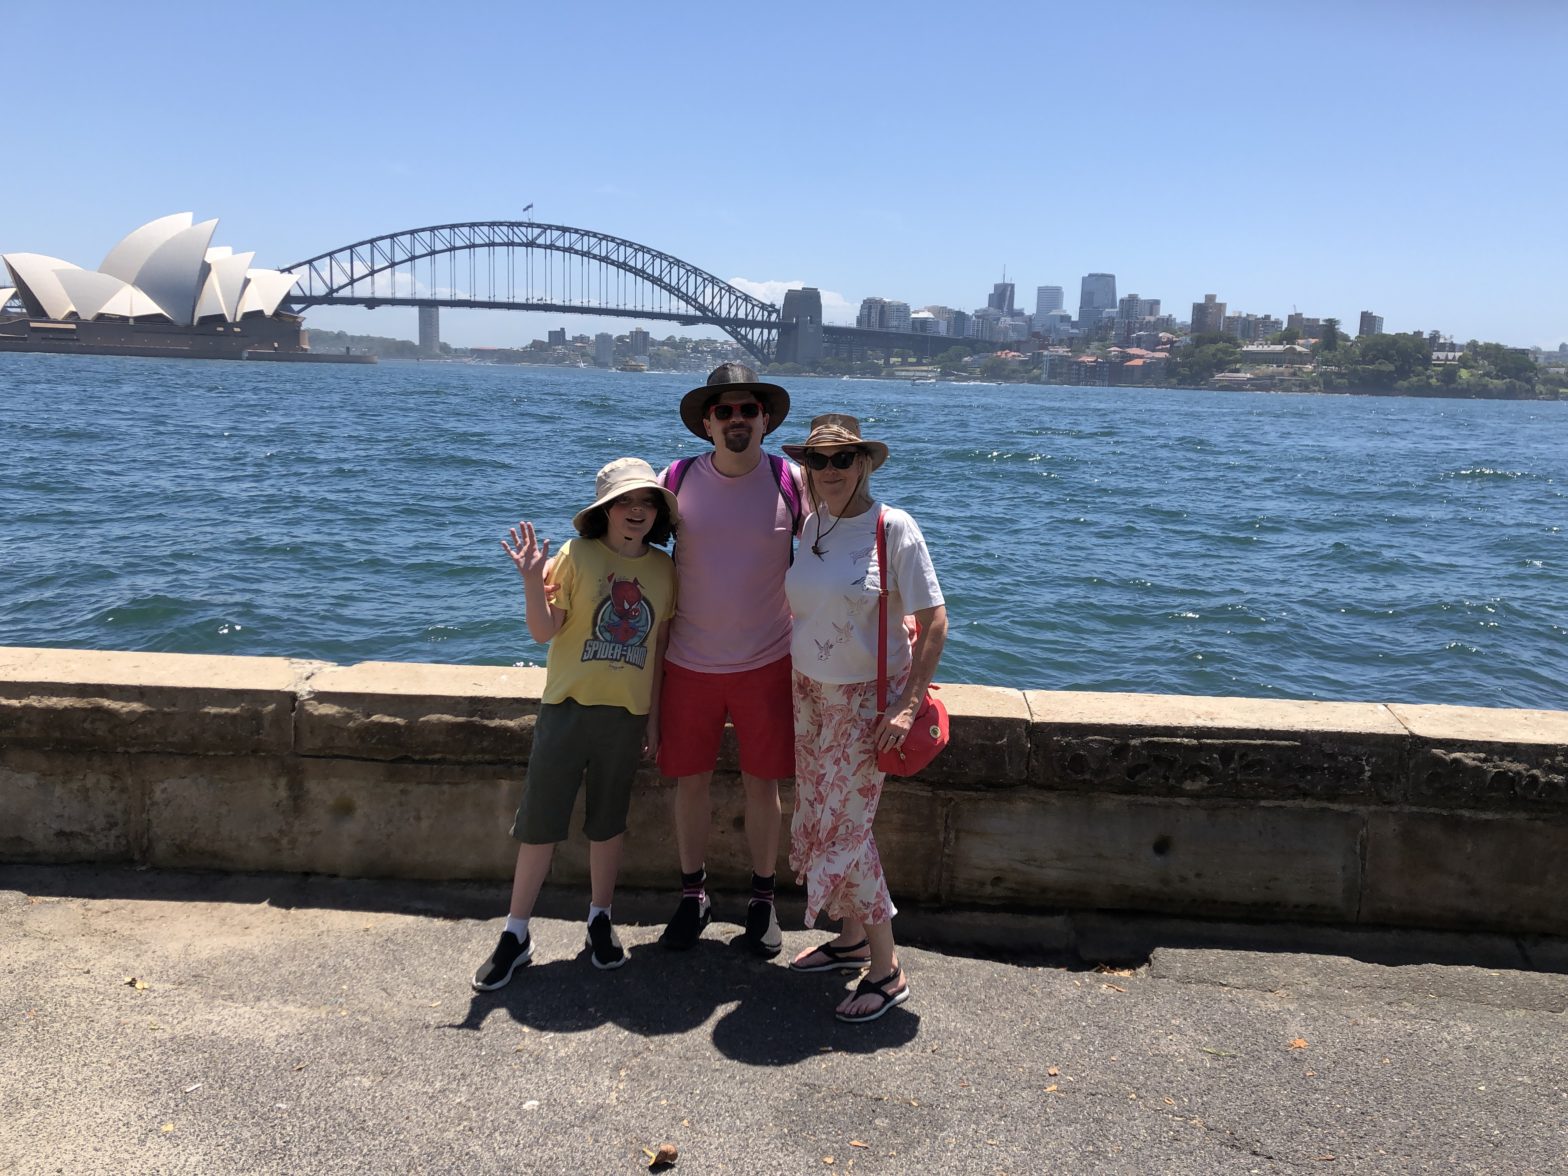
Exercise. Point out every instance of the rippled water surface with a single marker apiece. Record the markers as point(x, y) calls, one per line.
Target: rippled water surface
point(1102, 539)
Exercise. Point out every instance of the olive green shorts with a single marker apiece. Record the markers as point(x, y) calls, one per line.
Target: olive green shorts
point(574, 744)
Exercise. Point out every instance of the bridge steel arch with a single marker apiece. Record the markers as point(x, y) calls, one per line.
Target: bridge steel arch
point(648, 284)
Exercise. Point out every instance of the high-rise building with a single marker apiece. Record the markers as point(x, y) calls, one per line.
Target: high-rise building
point(557, 338)
point(1054, 324)
point(1001, 297)
point(883, 314)
point(1047, 299)
point(1208, 316)
point(638, 341)
point(604, 349)
point(1371, 324)
point(1096, 295)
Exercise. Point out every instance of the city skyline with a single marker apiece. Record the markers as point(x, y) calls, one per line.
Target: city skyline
point(1399, 156)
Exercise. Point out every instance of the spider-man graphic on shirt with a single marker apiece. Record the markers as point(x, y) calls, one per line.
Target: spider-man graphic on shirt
point(621, 625)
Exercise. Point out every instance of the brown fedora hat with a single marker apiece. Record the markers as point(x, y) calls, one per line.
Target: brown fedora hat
point(833, 430)
point(729, 377)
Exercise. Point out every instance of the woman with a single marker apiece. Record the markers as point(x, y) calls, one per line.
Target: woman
point(833, 587)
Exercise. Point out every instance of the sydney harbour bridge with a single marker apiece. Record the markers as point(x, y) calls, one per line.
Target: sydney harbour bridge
point(524, 265)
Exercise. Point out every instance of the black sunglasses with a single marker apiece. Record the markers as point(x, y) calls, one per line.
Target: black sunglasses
point(841, 460)
point(723, 412)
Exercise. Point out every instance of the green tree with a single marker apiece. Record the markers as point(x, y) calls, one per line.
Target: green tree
point(1202, 359)
point(1331, 335)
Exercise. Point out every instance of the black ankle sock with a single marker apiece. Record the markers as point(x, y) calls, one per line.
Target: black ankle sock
point(762, 888)
point(693, 884)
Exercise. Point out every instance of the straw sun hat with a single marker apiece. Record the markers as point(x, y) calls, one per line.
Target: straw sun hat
point(834, 429)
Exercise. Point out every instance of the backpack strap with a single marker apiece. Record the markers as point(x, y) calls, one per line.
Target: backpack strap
point(677, 474)
point(788, 491)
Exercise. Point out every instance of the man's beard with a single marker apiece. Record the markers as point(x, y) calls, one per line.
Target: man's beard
point(737, 440)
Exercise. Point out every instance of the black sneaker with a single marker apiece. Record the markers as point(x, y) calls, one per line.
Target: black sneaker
point(686, 927)
point(763, 936)
point(509, 955)
point(604, 943)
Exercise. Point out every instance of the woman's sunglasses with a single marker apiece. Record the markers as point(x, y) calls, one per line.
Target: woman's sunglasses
point(723, 412)
point(841, 460)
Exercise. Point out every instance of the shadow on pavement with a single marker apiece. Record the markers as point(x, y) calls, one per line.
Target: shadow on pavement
point(770, 1016)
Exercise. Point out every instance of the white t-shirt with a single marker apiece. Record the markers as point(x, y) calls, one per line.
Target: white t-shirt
point(834, 598)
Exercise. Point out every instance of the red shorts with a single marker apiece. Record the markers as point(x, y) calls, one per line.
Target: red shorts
point(692, 709)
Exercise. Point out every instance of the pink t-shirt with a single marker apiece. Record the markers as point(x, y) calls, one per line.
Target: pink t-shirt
point(731, 554)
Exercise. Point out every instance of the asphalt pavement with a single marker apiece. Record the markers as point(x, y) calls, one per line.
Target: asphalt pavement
point(200, 1023)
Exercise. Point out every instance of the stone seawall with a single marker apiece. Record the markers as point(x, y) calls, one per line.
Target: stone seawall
point(1350, 813)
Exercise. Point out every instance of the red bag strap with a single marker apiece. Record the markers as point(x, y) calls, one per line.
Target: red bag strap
point(881, 619)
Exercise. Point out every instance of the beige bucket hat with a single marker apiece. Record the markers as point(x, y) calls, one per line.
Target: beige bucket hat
point(622, 476)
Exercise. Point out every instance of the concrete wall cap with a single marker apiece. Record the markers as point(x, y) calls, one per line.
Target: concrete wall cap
point(56, 668)
point(425, 680)
point(983, 702)
point(1476, 724)
point(1105, 711)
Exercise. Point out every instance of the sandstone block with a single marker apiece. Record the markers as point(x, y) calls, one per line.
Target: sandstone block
point(1486, 758)
point(1212, 859)
point(88, 700)
point(1234, 748)
point(56, 808)
point(428, 713)
point(1467, 871)
point(349, 818)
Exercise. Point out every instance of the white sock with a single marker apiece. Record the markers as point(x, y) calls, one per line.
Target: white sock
point(518, 927)
point(595, 911)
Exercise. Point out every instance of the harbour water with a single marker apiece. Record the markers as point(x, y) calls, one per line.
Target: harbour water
point(1119, 539)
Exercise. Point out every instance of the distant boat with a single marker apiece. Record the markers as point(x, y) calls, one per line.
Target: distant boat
point(631, 365)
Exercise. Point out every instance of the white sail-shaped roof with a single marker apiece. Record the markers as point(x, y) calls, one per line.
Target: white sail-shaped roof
point(264, 289)
point(173, 273)
point(126, 259)
point(34, 275)
point(88, 290)
point(5, 294)
point(130, 303)
point(96, 295)
point(225, 280)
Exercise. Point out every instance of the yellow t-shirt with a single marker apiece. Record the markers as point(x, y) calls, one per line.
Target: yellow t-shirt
point(603, 655)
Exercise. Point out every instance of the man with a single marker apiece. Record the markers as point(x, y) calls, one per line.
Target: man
point(729, 648)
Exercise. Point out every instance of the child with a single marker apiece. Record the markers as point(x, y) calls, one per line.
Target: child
point(605, 612)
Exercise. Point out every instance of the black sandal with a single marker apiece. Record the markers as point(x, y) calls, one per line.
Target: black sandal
point(870, 987)
point(840, 959)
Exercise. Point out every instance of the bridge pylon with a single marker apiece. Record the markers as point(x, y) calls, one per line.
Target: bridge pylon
point(429, 330)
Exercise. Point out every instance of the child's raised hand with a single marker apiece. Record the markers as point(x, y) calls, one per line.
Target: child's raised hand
point(528, 553)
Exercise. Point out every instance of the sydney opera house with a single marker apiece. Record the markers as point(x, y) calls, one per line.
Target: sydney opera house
point(164, 290)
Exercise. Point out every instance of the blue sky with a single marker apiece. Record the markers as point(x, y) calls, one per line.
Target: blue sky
point(1405, 158)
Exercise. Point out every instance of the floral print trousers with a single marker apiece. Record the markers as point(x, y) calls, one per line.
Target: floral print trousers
point(837, 787)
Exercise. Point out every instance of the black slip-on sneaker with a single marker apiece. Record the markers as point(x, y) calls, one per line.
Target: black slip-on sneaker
point(509, 955)
point(763, 936)
point(604, 944)
point(686, 926)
